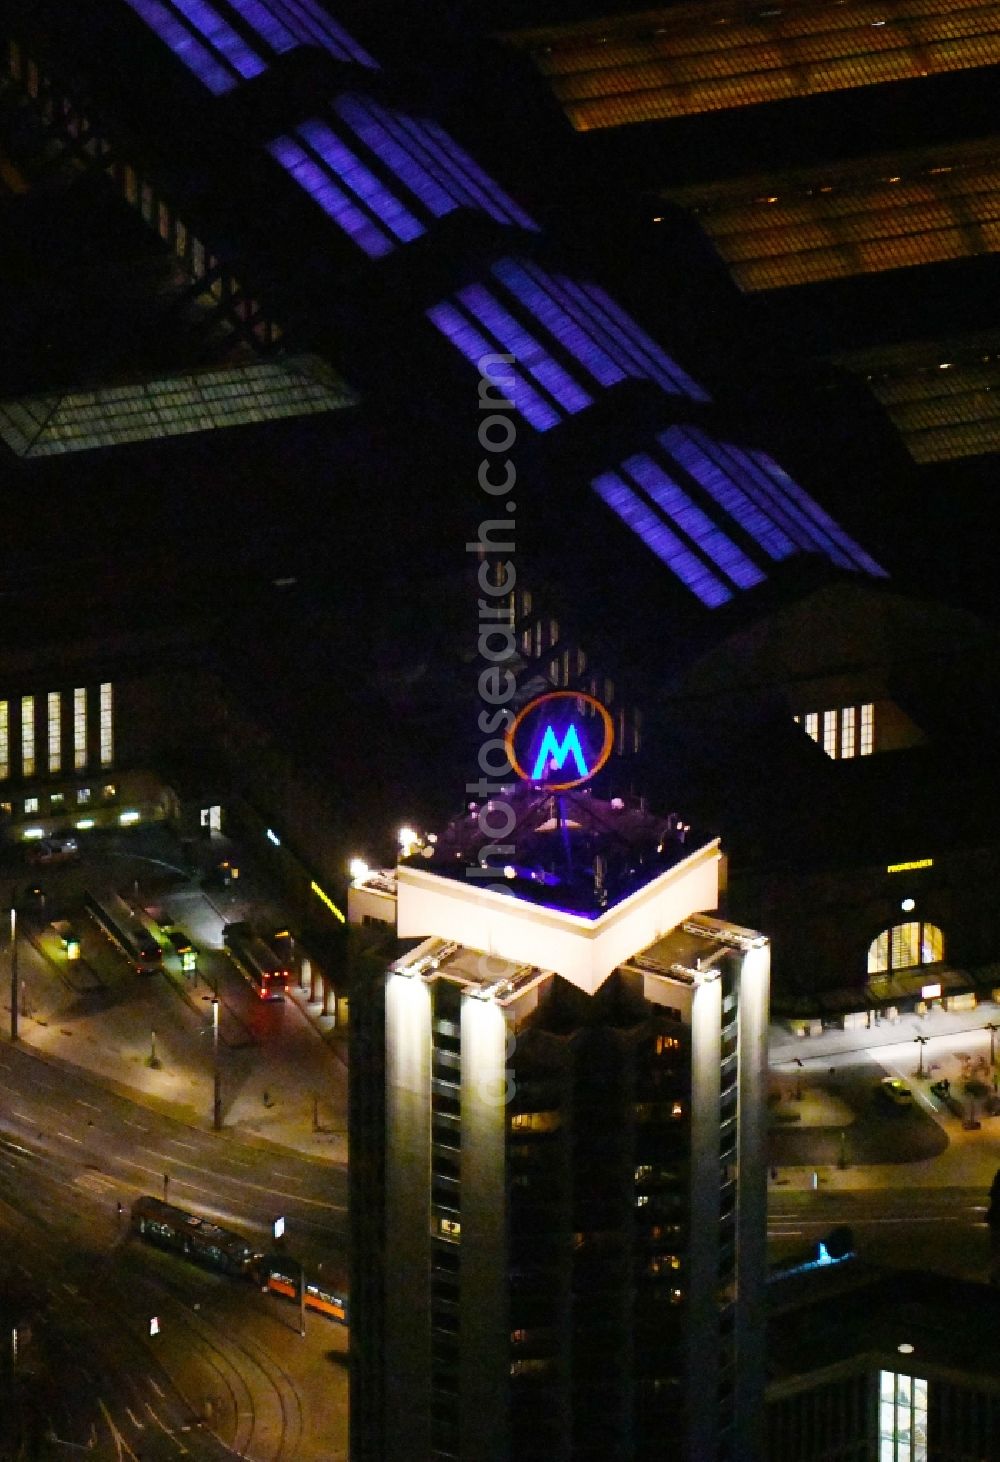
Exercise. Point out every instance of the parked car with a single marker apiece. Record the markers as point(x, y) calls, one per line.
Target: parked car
point(53, 850)
point(895, 1091)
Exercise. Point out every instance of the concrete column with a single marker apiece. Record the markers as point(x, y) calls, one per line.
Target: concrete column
point(751, 1232)
point(313, 984)
point(484, 1339)
point(702, 1338)
point(407, 1274)
point(327, 991)
point(305, 974)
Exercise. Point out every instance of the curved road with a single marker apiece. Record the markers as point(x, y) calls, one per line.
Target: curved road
point(228, 1374)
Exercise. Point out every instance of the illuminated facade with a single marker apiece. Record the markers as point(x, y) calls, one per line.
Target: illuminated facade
point(558, 1162)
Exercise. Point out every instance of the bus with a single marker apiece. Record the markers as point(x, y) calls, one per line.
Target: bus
point(114, 917)
point(194, 1238)
point(256, 961)
point(319, 1297)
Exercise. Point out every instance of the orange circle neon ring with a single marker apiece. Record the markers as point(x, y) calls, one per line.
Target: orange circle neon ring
point(556, 695)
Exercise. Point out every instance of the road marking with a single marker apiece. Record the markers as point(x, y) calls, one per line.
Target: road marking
point(161, 1394)
point(92, 1105)
point(176, 1142)
point(784, 1233)
point(22, 1115)
point(77, 1140)
point(135, 1420)
point(129, 1123)
point(116, 1435)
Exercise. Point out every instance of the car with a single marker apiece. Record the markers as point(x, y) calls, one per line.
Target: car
point(53, 850)
point(896, 1091)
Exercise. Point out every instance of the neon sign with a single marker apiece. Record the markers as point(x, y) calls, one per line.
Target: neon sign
point(910, 867)
point(550, 737)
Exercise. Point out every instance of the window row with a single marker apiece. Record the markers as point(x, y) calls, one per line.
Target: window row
point(65, 731)
point(843, 733)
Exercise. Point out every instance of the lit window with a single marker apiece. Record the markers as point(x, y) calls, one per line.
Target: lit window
point(55, 730)
point(666, 1043)
point(30, 805)
point(4, 739)
point(109, 791)
point(677, 1109)
point(867, 730)
point(82, 795)
point(27, 735)
point(57, 799)
point(830, 733)
point(641, 1200)
point(905, 946)
point(838, 730)
point(107, 733)
point(902, 1418)
point(80, 728)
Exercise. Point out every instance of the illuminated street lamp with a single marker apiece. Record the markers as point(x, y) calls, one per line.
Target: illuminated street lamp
point(408, 840)
point(13, 972)
point(921, 1041)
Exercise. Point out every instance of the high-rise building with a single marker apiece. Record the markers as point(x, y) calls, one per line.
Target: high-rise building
point(557, 1144)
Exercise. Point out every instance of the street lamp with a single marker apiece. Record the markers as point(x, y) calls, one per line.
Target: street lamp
point(992, 1027)
point(216, 1075)
point(921, 1041)
point(13, 971)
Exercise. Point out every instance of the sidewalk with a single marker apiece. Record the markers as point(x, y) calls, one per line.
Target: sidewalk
point(957, 1046)
point(113, 1040)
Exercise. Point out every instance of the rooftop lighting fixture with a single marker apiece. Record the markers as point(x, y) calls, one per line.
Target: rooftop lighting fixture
point(358, 869)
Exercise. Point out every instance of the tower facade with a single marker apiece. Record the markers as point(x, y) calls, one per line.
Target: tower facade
point(558, 1164)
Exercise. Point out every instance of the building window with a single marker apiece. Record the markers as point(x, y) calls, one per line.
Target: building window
point(28, 735)
point(4, 739)
point(843, 733)
point(57, 800)
point(30, 805)
point(109, 791)
point(107, 732)
point(82, 795)
point(905, 946)
point(902, 1418)
point(55, 730)
point(80, 728)
point(667, 1043)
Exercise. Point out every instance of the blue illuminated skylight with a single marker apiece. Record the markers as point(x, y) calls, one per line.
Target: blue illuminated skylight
point(459, 329)
point(284, 24)
point(198, 36)
point(360, 180)
point(423, 157)
point(535, 291)
point(824, 526)
point(763, 499)
point(719, 476)
point(696, 525)
point(513, 337)
point(319, 184)
point(622, 338)
point(653, 531)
